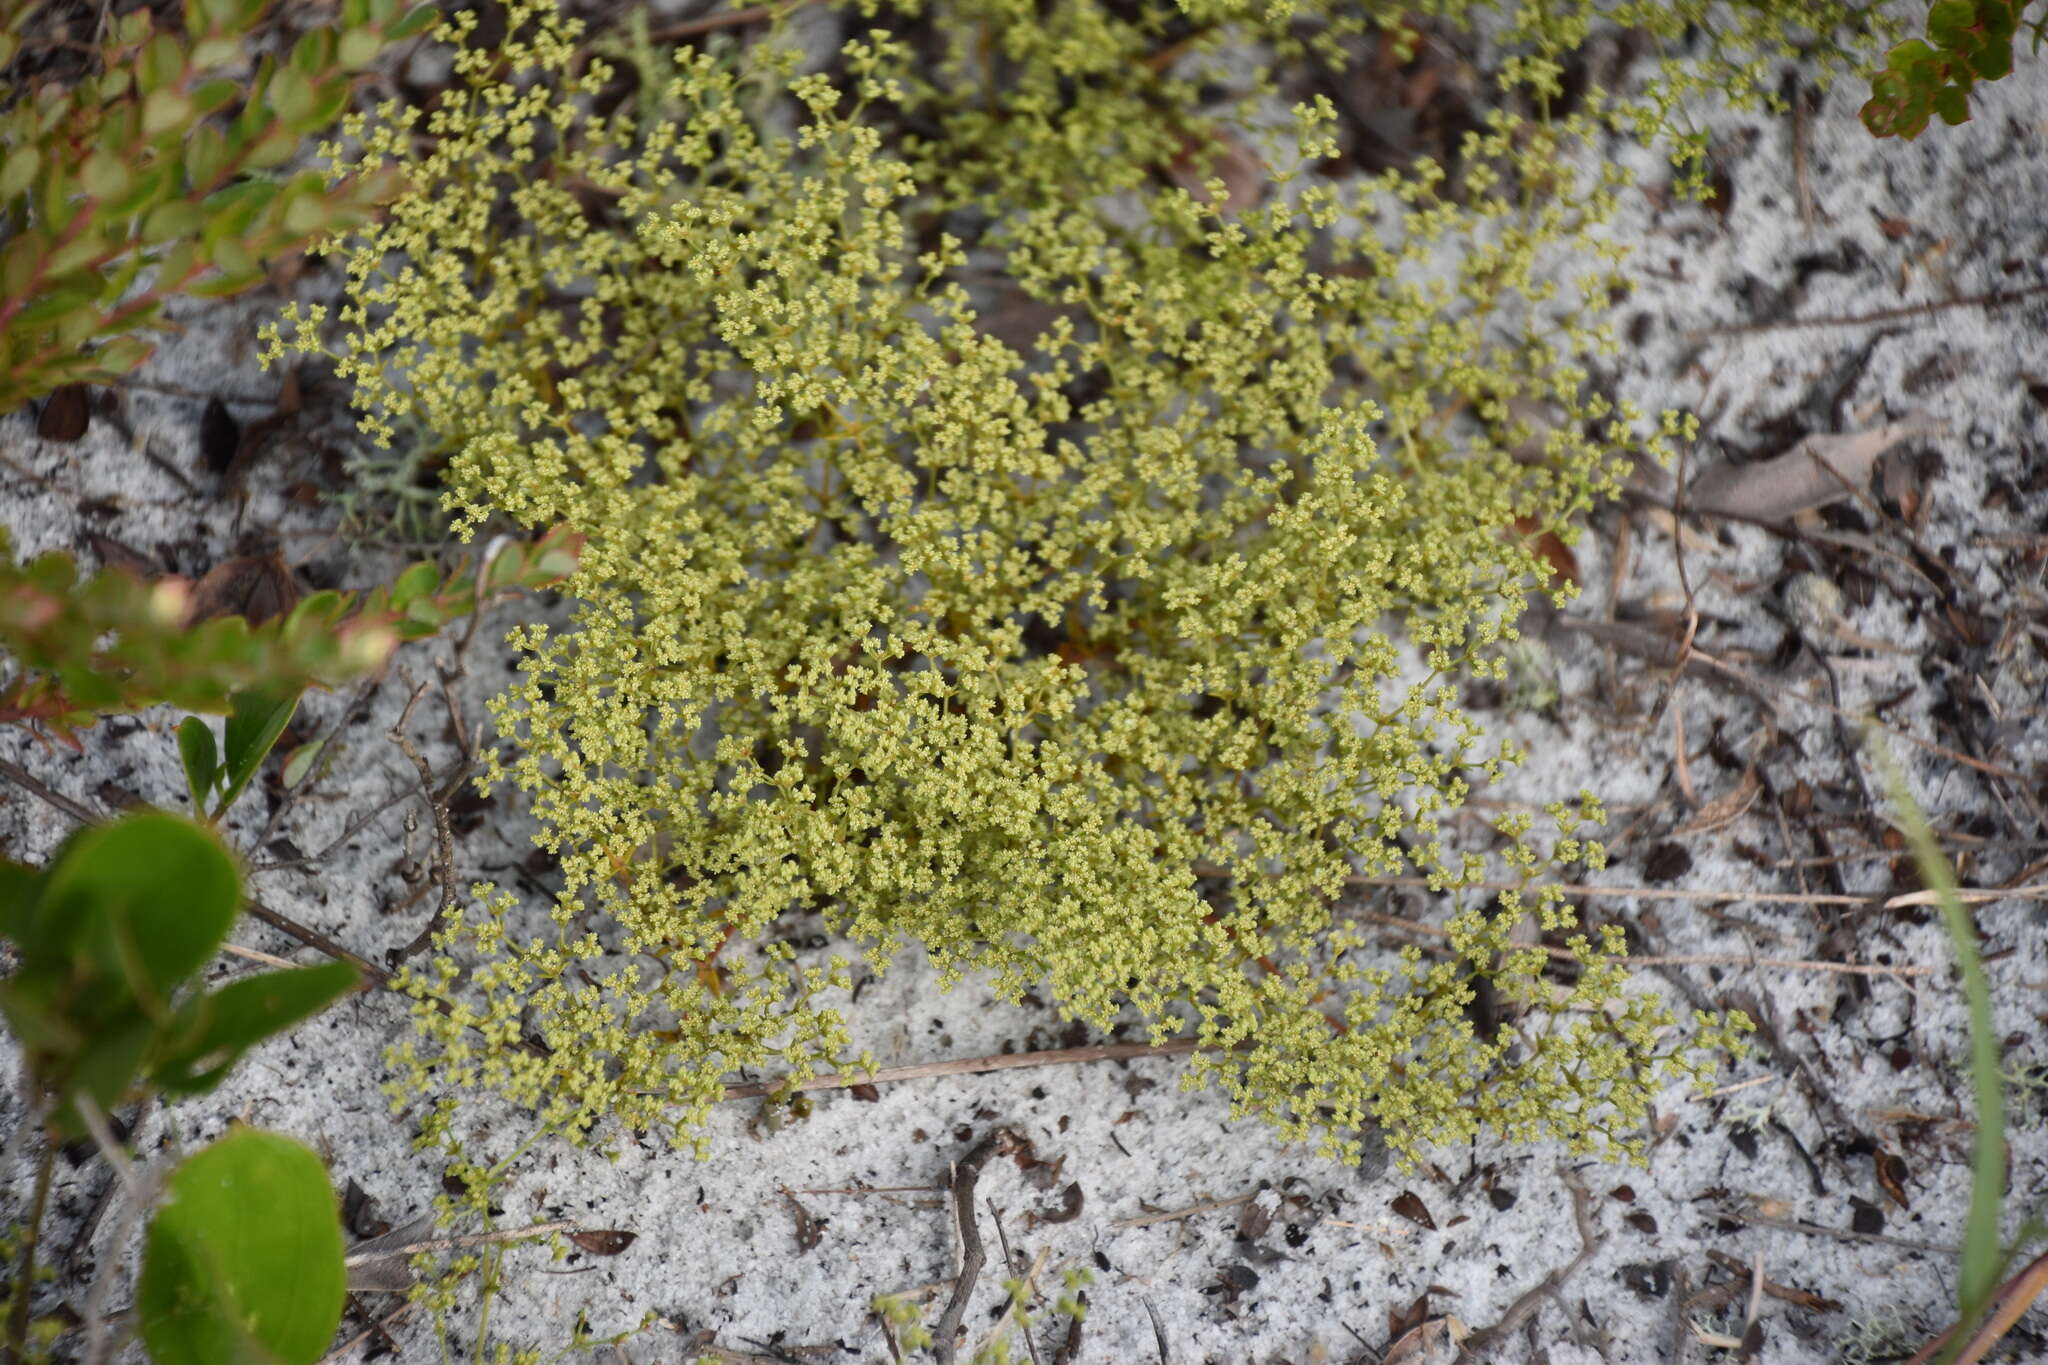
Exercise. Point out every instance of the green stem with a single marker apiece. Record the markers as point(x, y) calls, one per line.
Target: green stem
point(25, 1285)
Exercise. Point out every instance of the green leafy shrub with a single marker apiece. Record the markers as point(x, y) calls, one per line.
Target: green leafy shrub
point(1070, 664)
point(243, 1260)
point(115, 643)
point(108, 937)
point(1967, 41)
point(130, 171)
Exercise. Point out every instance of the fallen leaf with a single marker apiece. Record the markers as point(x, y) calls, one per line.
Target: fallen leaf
point(66, 414)
point(604, 1241)
point(220, 436)
point(1726, 809)
point(1818, 471)
point(1070, 1206)
point(1223, 157)
point(1411, 1207)
point(1891, 1177)
point(254, 586)
point(809, 1230)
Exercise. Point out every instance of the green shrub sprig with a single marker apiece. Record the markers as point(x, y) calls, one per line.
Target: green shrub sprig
point(1967, 41)
point(77, 650)
point(155, 164)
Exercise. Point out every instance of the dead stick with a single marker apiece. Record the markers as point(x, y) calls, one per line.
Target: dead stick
point(1007, 1061)
point(1970, 895)
point(1482, 1342)
point(1911, 310)
point(972, 1254)
point(1170, 1215)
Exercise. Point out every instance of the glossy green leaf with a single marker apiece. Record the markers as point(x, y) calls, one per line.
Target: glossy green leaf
point(358, 48)
point(59, 300)
point(313, 54)
point(201, 758)
point(1992, 62)
point(210, 97)
point(1949, 22)
point(147, 187)
point(211, 54)
point(150, 898)
point(244, 1258)
point(206, 157)
point(256, 719)
point(238, 1016)
point(291, 95)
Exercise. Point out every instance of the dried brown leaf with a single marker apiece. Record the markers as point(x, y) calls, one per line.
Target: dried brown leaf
point(66, 414)
point(1820, 470)
point(1726, 809)
point(604, 1241)
point(254, 586)
point(1410, 1206)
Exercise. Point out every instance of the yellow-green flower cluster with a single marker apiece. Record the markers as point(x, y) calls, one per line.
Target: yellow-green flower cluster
point(1082, 666)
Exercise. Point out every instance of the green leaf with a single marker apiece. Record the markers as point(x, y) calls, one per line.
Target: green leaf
point(105, 176)
point(58, 301)
point(19, 887)
point(422, 577)
point(210, 54)
point(147, 187)
point(206, 157)
point(1952, 104)
point(1911, 57)
point(167, 108)
point(299, 762)
point(1993, 62)
point(202, 762)
point(212, 96)
point(1949, 22)
point(244, 1258)
point(359, 47)
point(418, 20)
point(238, 1016)
point(291, 95)
point(148, 898)
point(104, 1068)
point(313, 54)
point(18, 169)
point(167, 221)
point(256, 718)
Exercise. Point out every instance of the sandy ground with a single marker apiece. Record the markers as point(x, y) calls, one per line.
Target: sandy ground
point(1837, 1167)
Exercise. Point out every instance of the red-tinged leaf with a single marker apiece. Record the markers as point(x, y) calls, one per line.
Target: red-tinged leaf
point(603, 1241)
point(1564, 565)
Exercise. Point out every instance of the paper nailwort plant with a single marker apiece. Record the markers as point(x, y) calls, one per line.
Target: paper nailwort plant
point(1071, 662)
